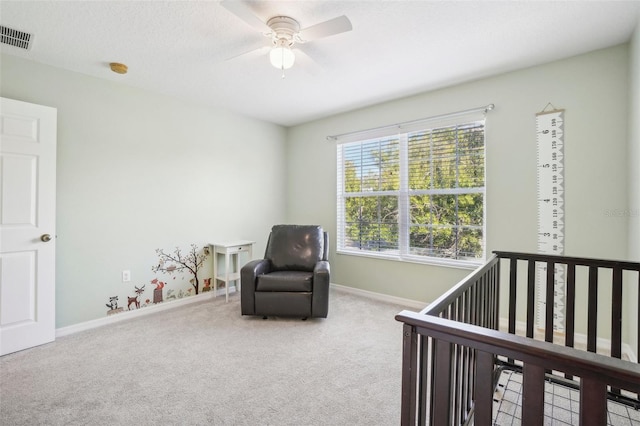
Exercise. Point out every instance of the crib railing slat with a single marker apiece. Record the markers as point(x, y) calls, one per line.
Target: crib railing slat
point(593, 402)
point(473, 302)
point(548, 324)
point(487, 303)
point(470, 382)
point(616, 318)
point(570, 306)
point(592, 309)
point(513, 281)
point(409, 367)
point(458, 373)
point(425, 372)
point(533, 394)
point(484, 390)
point(531, 300)
point(495, 277)
point(570, 309)
point(616, 314)
point(440, 413)
point(483, 303)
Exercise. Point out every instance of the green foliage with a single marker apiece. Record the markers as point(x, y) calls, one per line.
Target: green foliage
point(444, 219)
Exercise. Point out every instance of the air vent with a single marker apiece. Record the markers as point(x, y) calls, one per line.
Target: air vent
point(15, 38)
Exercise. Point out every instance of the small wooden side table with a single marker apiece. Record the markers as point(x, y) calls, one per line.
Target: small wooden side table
point(231, 272)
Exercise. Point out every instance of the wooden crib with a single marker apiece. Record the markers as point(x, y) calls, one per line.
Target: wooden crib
point(456, 349)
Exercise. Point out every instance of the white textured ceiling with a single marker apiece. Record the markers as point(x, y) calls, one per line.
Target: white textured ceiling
point(396, 48)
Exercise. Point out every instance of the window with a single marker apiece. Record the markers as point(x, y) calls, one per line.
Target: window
point(416, 196)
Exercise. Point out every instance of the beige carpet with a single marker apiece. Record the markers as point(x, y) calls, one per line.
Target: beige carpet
point(206, 364)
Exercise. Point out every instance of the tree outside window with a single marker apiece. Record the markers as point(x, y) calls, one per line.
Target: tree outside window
point(418, 194)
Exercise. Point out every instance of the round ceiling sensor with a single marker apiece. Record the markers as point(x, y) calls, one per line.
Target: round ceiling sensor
point(118, 68)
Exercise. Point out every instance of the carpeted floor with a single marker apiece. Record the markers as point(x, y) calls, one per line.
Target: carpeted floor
point(206, 364)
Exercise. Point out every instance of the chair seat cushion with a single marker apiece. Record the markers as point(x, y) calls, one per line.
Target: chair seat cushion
point(285, 281)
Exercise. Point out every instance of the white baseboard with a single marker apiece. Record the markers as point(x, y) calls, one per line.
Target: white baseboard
point(626, 350)
point(127, 315)
point(409, 303)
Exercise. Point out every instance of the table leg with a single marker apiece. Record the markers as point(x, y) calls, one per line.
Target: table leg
point(226, 276)
point(214, 259)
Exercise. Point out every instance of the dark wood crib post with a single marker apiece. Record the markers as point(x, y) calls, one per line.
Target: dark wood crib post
point(409, 375)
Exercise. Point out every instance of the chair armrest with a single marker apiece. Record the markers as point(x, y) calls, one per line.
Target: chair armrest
point(322, 268)
point(248, 275)
point(320, 297)
point(256, 267)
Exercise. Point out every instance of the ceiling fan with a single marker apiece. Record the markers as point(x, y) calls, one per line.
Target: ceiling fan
point(284, 32)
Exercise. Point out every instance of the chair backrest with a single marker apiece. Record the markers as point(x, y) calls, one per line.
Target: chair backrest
point(296, 247)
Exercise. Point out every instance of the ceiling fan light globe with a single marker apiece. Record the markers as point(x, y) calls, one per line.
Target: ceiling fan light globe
point(282, 57)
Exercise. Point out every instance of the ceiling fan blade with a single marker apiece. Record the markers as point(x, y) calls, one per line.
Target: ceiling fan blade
point(328, 28)
point(242, 11)
point(307, 63)
point(251, 53)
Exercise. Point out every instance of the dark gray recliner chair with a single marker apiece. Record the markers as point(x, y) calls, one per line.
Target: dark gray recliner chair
point(293, 278)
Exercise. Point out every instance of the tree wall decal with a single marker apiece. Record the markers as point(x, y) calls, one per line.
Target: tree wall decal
point(191, 262)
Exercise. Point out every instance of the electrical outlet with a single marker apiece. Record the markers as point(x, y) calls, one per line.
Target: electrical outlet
point(126, 276)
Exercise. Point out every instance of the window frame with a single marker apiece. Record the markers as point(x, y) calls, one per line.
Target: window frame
point(403, 194)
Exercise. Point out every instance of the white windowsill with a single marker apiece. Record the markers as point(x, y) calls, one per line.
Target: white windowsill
point(449, 263)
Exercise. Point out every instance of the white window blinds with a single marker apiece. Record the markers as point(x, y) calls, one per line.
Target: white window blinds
point(415, 195)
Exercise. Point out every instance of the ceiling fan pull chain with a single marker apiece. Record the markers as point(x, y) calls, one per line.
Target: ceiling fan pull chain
point(282, 66)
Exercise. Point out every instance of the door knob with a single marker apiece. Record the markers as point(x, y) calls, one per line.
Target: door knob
point(45, 237)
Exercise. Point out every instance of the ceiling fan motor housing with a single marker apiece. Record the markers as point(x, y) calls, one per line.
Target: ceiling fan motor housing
point(284, 30)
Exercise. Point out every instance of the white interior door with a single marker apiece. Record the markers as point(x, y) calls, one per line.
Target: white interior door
point(27, 224)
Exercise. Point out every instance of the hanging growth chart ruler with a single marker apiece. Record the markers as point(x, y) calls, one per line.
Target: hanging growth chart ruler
point(550, 140)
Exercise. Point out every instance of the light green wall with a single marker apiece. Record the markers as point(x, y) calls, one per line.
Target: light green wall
point(139, 171)
point(592, 88)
